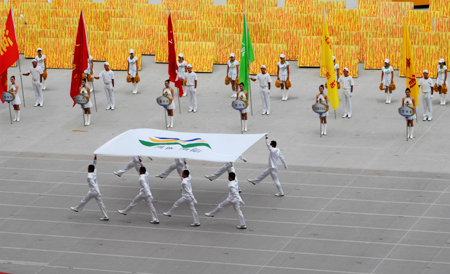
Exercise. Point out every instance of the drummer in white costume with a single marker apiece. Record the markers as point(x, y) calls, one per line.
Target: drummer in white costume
point(387, 77)
point(108, 80)
point(426, 87)
point(42, 63)
point(133, 69)
point(283, 75)
point(243, 96)
point(191, 83)
point(14, 89)
point(169, 93)
point(442, 79)
point(409, 101)
point(86, 91)
point(88, 71)
point(233, 73)
point(264, 84)
point(181, 69)
point(36, 73)
point(347, 83)
point(322, 98)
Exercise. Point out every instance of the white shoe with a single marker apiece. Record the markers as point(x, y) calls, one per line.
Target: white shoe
point(251, 181)
point(159, 176)
point(349, 116)
point(104, 219)
point(122, 212)
point(167, 214)
point(263, 113)
point(74, 209)
point(425, 118)
point(279, 194)
point(194, 111)
point(35, 105)
point(345, 116)
point(108, 108)
point(41, 104)
point(190, 110)
point(267, 113)
point(155, 222)
point(241, 227)
point(195, 224)
point(184, 94)
point(117, 173)
point(209, 214)
point(112, 108)
point(134, 91)
point(208, 177)
point(429, 119)
point(15, 120)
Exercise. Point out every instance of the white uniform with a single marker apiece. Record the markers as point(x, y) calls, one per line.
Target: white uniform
point(84, 92)
point(181, 69)
point(232, 69)
point(408, 102)
point(186, 197)
point(387, 76)
point(94, 192)
point(144, 194)
point(346, 84)
point(190, 83)
point(321, 99)
point(426, 86)
point(272, 167)
point(243, 97)
point(168, 94)
point(264, 80)
point(178, 165)
point(135, 162)
point(133, 66)
point(107, 77)
point(336, 70)
point(35, 78)
point(40, 61)
point(17, 100)
point(441, 76)
point(283, 74)
point(233, 199)
point(90, 69)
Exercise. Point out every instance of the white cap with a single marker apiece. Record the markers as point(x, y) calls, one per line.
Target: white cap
point(263, 66)
point(345, 69)
point(386, 61)
point(189, 66)
point(231, 54)
point(334, 58)
point(180, 55)
point(106, 64)
point(441, 61)
point(131, 51)
point(38, 49)
point(282, 56)
point(425, 71)
point(34, 60)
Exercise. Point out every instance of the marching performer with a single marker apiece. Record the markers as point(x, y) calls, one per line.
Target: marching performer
point(426, 86)
point(42, 63)
point(36, 73)
point(336, 68)
point(179, 164)
point(233, 199)
point(89, 71)
point(186, 197)
point(226, 167)
point(233, 73)
point(442, 80)
point(181, 69)
point(169, 93)
point(264, 84)
point(191, 83)
point(243, 96)
point(283, 75)
point(86, 91)
point(108, 80)
point(347, 83)
point(409, 101)
point(272, 167)
point(14, 89)
point(387, 78)
point(94, 192)
point(133, 69)
point(322, 98)
point(136, 162)
point(144, 194)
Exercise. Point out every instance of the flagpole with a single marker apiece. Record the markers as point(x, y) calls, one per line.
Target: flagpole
point(21, 82)
point(248, 65)
point(10, 116)
point(406, 26)
point(165, 116)
point(178, 95)
point(95, 100)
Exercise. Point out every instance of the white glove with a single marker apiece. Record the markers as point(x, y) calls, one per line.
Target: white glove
point(267, 136)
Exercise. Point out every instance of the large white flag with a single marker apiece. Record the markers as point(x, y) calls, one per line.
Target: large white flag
point(170, 144)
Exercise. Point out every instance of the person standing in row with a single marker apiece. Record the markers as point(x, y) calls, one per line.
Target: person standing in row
point(144, 194)
point(233, 73)
point(42, 63)
point(272, 167)
point(387, 78)
point(179, 164)
point(186, 197)
point(323, 99)
point(108, 80)
point(336, 68)
point(181, 69)
point(191, 83)
point(90, 71)
point(410, 102)
point(136, 162)
point(426, 86)
point(442, 80)
point(264, 84)
point(283, 75)
point(243, 96)
point(14, 89)
point(347, 83)
point(86, 92)
point(169, 93)
point(233, 199)
point(133, 69)
point(36, 73)
point(94, 192)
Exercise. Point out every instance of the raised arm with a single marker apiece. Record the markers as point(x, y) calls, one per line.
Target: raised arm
point(283, 161)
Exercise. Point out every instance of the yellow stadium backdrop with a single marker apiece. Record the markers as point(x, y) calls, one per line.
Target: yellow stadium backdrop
point(20, 32)
point(440, 5)
point(97, 43)
point(32, 40)
point(126, 26)
point(304, 21)
point(240, 4)
point(356, 38)
point(396, 31)
point(189, 26)
point(226, 44)
point(442, 24)
point(395, 10)
point(149, 34)
point(310, 50)
point(232, 20)
point(257, 5)
point(102, 18)
point(293, 44)
point(146, 11)
point(207, 34)
point(58, 52)
point(194, 53)
point(259, 32)
point(379, 49)
point(212, 13)
point(46, 14)
point(87, 7)
point(118, 52)
point(376, 24)
point(316, 30)
point(174, 15)
point(127, 6)
point(268, 55)
point(351, 18)
point(273, 14)
point(61, 23)
point(296, 3)
point(425, 57)
point(329, 6)
point(423, 18)
point(162, 52)
point(346, 57)
point(439, 39)
point(282, 25)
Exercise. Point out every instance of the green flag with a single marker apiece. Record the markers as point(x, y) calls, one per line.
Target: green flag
point(247, 56)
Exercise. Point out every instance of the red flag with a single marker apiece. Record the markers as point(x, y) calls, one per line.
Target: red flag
point(173, 68)
point(80, 58)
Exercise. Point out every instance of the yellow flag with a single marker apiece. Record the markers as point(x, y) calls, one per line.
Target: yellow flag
point(408, 65)
point(327, 62)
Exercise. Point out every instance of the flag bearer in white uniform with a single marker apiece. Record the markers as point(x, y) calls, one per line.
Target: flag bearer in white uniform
point(86, 91)
point(347, 83)
point(233, 73)
point(133, 70)
point(322, 98)
point(426, 86)
point(186, 197)
point(181, 69)
point(14, 89)
point(94, 192)
point(42, 63)
point(264, 84)
point(409, 101)
point(144, 194)
point(191, 83)
point(387, 78)
point(136, 162)
point(108, 79)
point(36, 73)
point(233, 199)
point(169, 93)
point(283, 75)
point(226, 167)
point(272, 167)
point(243, 96)
point(89, 71)
point(336, 68)
point(179, 164)
point(442, 80)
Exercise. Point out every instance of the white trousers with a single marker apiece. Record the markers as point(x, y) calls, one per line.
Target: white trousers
point(129, 166)
point(236, 207)
point(219, 172)
point(171, 168)
point(190, 204)
point(347, 98)
point(98, 197)
point(273, 174)
point(147, 199)
point(192, 97)
point(38, 92)
point(265, 97)
point(109, 90)
point(427, 106)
